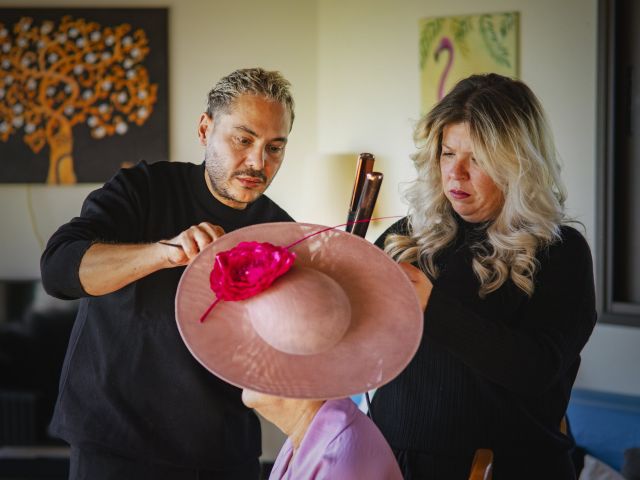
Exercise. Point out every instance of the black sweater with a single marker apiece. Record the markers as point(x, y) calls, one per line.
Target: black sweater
point(492, 373)
point(129, 384)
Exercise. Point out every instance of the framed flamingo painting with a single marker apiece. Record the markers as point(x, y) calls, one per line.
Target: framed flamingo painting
point(452, 48)
point(83, 92)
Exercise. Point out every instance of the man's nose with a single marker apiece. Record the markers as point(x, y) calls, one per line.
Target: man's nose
point(256, 159)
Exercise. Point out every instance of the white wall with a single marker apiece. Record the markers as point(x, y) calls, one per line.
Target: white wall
point(207, 39)
point(368, 99)
point(610, 360)
point(354, 69)
point(368, 84)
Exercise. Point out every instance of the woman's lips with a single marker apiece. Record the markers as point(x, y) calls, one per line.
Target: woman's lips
point(459, 194)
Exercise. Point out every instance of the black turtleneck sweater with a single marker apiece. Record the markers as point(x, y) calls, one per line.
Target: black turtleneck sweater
point(129, 384)
point(495, 372)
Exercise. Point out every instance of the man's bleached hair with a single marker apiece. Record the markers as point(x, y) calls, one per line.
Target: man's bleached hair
point(252, 81)
point(513, 144)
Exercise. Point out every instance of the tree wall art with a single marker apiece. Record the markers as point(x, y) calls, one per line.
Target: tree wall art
point(83, 92)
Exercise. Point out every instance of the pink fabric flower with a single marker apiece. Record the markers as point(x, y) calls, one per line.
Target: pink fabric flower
point(246, 270)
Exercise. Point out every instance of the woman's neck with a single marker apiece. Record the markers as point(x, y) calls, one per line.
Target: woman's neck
point(301, 420)
point(291, 416)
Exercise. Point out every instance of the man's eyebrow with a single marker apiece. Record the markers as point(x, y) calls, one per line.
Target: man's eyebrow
point(251, 132)
point(247, 129)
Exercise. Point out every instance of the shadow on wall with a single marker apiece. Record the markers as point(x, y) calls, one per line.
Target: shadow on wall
point(34, 331)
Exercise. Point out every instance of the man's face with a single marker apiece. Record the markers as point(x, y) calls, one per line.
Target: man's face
point(244, 148)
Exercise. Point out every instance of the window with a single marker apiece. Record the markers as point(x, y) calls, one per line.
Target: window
point(618, 174)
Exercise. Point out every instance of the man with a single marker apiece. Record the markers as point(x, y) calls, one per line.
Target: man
point(133, 402)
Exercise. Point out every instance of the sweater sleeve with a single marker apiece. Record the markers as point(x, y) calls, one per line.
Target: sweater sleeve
point(113, 213)
point(530, 352)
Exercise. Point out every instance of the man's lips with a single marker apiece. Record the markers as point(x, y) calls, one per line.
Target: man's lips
point(250, 181)
point(459, 194)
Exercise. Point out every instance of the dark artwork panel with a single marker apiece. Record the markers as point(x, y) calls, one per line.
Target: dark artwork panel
point(83, 92)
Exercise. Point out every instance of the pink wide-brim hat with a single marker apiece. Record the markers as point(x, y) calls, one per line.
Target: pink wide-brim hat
point(344, 320)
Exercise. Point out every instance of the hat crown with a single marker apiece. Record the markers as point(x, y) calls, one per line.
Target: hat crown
point(305, 313)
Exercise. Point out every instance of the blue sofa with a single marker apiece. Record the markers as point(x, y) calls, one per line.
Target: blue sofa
point(605, 424)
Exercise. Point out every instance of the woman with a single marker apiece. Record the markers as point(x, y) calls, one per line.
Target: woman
point(304, 315)
point(508, 289)
point(327, 440)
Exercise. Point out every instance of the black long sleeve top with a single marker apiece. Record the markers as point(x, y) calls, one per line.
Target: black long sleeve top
point(129, 384)
point(495, 372)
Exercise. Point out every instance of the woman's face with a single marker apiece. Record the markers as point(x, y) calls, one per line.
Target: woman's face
point(259, 400)
point(471, 192)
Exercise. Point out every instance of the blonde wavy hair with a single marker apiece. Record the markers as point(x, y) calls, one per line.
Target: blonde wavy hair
point(513, 144)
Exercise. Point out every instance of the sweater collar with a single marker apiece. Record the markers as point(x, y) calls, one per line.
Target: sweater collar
point(471, 232)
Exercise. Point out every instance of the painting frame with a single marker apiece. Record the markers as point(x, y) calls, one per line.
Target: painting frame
point(454, 47)
point(101, 101)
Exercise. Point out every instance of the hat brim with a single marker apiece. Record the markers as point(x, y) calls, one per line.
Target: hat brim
point(384, 333)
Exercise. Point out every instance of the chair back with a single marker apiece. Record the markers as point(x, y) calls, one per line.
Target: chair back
point(482, 465)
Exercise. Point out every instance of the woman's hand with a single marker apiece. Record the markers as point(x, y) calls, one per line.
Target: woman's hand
point(421, 283)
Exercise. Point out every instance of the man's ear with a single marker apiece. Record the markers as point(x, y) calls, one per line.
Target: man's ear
point(205, 125)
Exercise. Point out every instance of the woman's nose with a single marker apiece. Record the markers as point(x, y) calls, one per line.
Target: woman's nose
point(459, 170)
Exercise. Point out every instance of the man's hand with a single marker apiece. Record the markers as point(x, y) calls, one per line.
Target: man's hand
point(107, 267)
point(421, 283)
point(192, 240)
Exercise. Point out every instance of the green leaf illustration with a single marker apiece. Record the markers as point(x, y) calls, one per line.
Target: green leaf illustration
point(497, 49)
point(429, 33)
point(461, 27)
point(507, 24)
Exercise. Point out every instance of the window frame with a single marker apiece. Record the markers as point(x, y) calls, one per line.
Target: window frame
point(608, 81)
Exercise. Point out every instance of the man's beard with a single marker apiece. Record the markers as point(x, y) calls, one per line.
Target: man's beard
point(218, 177)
